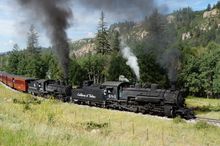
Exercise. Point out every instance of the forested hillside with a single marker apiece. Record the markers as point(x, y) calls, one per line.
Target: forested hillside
point(181, 47)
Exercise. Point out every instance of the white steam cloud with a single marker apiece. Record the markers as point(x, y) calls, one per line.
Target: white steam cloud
point(132, 60)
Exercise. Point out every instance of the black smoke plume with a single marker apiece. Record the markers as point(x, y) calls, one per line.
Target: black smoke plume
point(54, 16)
point(171, 62)
point(129, 9)
point(162, 42)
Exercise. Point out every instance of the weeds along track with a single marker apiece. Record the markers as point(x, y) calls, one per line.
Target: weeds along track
point(209, 120)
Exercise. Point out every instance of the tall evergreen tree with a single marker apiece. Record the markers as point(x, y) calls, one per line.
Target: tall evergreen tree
point(13, 60)
point(118, 67)
point(102, 38)
point(116, 42)
point(156, 27)
point(218, 5)
point(77, 74)
point(208, 7)
point(35, 66)
point(32, 41)
point(184, 17)
point(156, 23)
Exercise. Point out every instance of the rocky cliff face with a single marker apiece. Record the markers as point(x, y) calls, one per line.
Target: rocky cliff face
point(84, 50)
point(211, 14)
point(82, 47)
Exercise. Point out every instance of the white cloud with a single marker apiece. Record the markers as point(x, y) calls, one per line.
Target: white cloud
point(11, 42)
point(6, 46)
point(6, 7)
point(90, 34)
point(7, 28)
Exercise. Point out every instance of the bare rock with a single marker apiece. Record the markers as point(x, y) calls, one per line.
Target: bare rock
point(170, 19)
point(88, 48)
point(211, 14)
point(186, 36)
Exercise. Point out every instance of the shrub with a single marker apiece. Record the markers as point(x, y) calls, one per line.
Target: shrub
point(92, 125)
point(51, 118)
point(178, 120)
point(202, 125)
point(27, 106)
point(15, 100)
point(27, 100)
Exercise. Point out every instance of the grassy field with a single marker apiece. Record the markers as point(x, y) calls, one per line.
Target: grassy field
point(25, 121)
point(204, 107)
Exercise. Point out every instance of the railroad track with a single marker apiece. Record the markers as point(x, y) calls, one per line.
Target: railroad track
point(208, 120)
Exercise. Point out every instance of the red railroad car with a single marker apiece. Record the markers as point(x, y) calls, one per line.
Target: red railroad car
point(4, 78)
point(0, 76)
point(21, 83)
point(10, 81)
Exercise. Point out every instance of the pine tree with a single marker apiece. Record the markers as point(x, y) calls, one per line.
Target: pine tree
point(33, 64)
point(116, 42)
point(102, 38)
point(32, 42)
point(218, 5)
point(208, 7)
point(156, 27)
point(13, 60)
point(156, 23)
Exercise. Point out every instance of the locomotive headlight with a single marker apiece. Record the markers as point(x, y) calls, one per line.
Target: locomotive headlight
point(105, 92)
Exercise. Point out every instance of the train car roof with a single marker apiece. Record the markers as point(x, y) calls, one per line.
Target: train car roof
point(22, 77)
point(114, 83)
point(16, 76)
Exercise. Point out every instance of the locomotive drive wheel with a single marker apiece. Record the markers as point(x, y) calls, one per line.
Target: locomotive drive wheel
point(143, 111)
point(168, 111)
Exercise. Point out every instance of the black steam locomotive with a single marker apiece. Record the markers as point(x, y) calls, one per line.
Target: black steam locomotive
point(123, 96)
point(50, 88)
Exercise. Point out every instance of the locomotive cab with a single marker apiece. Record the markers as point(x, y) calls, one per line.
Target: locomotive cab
point(115, 89)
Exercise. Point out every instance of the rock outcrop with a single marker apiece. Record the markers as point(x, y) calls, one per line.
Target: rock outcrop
point(211, 14)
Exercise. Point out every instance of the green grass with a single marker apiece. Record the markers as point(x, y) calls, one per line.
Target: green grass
point(204, 107)
point(26, 122)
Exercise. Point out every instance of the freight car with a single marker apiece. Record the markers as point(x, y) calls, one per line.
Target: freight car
point(10, 81)
point(21, 83)
point(123, 96)
point(4, 78)
point(1, 75)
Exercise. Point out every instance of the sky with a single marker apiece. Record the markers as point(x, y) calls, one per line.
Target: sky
point(14, 24)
